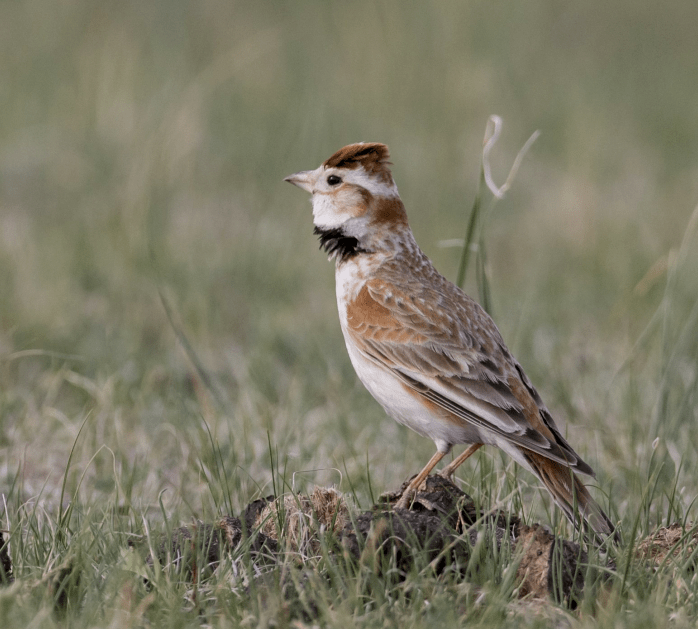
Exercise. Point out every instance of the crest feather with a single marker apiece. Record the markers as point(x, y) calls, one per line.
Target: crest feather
point(372, 156)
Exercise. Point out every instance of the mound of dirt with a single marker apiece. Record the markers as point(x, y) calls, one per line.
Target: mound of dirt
point(442, 527)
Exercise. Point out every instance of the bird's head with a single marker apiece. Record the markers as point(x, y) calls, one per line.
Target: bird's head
point(354, 197)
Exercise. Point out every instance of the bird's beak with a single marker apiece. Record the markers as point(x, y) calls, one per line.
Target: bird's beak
point(303, 179)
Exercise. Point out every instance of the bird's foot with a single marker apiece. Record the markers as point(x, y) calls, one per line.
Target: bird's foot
point(446, 473)
point(414, 485)
point(406, 499)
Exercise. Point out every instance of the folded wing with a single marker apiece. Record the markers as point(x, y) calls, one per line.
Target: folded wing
point(445, 347)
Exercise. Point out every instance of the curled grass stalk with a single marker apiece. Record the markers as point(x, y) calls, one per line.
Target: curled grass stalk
point(474, 233)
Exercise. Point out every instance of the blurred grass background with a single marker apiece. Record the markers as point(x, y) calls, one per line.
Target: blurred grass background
point(143, 147)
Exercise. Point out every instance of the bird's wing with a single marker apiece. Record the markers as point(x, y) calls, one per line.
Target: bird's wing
point(446, 348)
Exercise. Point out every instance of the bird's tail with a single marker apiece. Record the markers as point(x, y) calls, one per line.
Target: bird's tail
point(573, 498)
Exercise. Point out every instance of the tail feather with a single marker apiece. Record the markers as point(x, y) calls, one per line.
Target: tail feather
point(572, 497)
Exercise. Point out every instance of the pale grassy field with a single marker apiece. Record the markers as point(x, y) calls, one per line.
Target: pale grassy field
point(142, 151)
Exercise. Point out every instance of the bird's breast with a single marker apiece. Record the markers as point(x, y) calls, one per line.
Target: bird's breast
point(350, 277)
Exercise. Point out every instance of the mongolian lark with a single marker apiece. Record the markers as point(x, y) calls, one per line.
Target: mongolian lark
point(430, 355)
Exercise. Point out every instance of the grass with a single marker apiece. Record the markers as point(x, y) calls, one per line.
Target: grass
point(142, 149)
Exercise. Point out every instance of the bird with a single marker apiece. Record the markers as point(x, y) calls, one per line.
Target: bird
point(427, 352)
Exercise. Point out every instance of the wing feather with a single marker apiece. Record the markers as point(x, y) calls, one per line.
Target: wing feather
point(442, 345)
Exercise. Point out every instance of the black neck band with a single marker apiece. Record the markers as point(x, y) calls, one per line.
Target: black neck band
point(337, 244)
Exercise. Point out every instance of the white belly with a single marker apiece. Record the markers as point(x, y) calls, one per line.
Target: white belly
point(406, 408)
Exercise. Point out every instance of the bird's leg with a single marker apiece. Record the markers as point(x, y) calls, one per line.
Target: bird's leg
point(447, 472)
point(407, 495)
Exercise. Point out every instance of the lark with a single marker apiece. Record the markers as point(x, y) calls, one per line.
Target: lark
point(428, 353)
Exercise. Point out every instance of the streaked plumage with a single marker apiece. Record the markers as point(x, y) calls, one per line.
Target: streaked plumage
point(428, 353)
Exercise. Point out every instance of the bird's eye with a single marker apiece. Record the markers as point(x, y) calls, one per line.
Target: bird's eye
point(333, 180)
